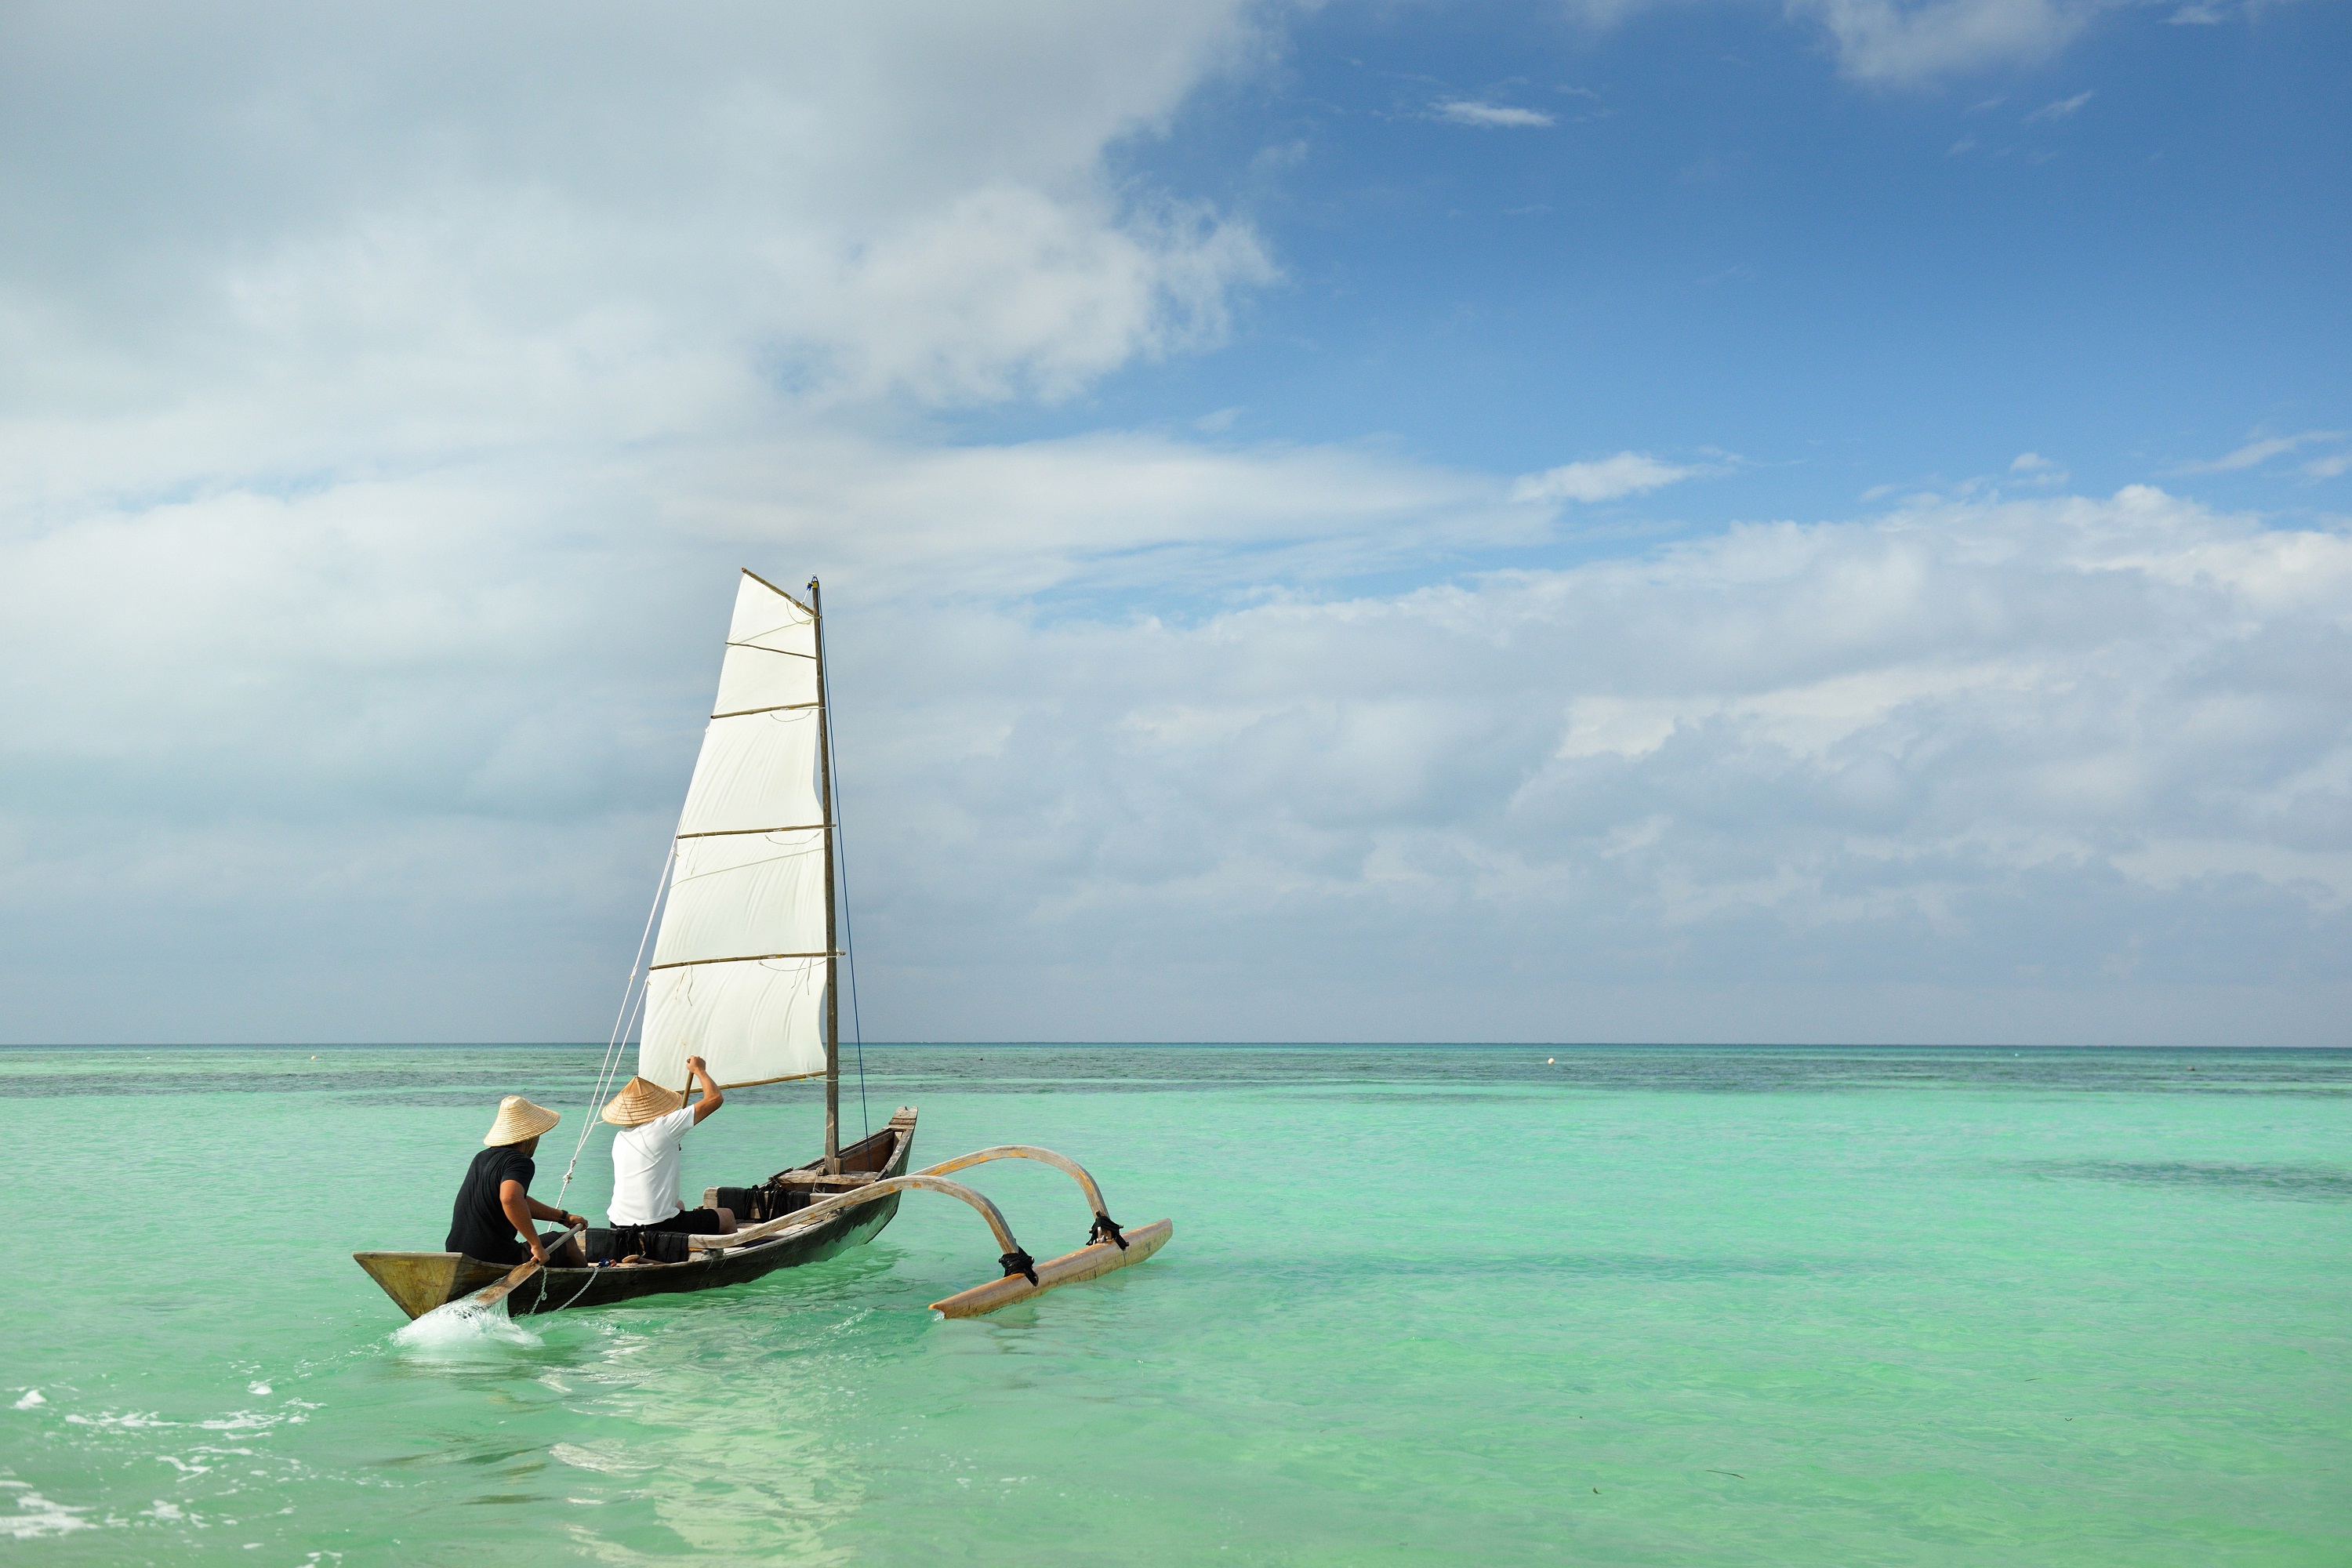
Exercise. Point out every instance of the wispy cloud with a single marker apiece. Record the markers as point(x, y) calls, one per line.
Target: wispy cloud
point(1492, 116)
point(2060, 109)
point(1626, 474)
point(2034, 468)
point(2201, 15)
point(2253, 454)
point(1901, 43)
point(1887, 42)
point(2329, 467)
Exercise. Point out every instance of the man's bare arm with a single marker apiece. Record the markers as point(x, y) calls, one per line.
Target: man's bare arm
point(516, 1201)
point(711, 1098)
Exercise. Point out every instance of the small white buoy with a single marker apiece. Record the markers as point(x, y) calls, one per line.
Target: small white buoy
point(1548, 1062)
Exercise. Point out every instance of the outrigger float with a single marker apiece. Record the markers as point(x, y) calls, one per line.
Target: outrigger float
point(742, 969)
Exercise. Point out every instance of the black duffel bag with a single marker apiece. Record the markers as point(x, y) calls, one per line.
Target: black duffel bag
point(636, 1241)
point(757, 1205)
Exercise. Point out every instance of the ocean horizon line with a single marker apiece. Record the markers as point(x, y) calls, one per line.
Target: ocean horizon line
point(1883, 1045)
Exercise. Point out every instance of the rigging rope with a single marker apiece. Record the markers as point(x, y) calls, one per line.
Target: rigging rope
point(849, 949)
point(621, 1023)
point(848, 928)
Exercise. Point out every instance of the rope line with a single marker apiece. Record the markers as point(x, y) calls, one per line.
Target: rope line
point(849, 947)
point(848, 928)
point(536, 1307)
point(621, 1021)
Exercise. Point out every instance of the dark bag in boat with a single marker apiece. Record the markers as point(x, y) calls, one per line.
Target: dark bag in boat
point(667, 1245)
point(757, 1205)
point(636, 1241)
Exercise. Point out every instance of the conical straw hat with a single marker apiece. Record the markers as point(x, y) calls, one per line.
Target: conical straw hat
point(639, 1103)
point(518, 1119)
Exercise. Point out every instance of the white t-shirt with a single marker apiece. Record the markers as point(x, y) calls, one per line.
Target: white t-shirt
point(644, 1168)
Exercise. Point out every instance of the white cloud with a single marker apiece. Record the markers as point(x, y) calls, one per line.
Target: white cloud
point(2059, 110)
point(1993, 746)
point(375, 457)
point(1626, 474)
point(1910, 42)
point(1789, 781)
point(2253, 454)
point(1902, 43)
point(619, 217)
point(360, 372)
point(1884, 41)
point(1491, 116)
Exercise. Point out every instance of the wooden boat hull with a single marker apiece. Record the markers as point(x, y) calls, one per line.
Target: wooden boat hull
point(419, 1281)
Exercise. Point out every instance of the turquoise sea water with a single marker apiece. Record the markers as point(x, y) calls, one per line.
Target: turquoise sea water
point(1635, 1306)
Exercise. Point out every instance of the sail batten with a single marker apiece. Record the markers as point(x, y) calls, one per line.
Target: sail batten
point(738, 972)
point(735, 832)
point(747, 712)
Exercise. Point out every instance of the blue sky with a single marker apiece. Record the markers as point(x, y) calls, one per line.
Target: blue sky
point(2129, 258)
point(1596, 521)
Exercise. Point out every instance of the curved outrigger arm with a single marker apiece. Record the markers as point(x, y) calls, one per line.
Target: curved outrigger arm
point(1015, 1260)
point(1104, 1228)
point(1106, 1249)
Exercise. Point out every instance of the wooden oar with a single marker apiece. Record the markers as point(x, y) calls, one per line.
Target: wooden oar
point(491, 1295)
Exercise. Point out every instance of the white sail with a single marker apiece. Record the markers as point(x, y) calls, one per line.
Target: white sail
point(738, 973)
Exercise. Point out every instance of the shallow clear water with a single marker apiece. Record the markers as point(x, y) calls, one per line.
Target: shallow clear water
point(1638, 1306)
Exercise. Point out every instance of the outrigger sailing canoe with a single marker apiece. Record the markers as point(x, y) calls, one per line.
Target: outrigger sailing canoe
point(743, 971)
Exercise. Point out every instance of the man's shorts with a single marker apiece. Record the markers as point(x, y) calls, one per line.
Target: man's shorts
point(694, 1221)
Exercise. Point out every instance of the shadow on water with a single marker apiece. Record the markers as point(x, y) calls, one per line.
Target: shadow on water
point(1508, 1268)
point(2314, 1183)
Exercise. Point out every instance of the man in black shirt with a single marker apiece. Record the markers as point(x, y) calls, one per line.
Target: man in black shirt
point(495, 1206)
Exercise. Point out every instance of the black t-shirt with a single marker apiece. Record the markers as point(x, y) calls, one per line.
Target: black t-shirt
point(478, 1227)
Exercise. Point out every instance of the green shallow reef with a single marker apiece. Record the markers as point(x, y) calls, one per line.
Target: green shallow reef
point(1634, 1305)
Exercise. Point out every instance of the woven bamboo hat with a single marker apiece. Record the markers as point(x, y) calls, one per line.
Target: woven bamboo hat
point(518, 1119)
point(639, 1103)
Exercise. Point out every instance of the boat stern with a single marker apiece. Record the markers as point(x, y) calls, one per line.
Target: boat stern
point(419, 1281)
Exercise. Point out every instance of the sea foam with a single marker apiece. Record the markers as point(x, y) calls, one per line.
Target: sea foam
point(461, 1328)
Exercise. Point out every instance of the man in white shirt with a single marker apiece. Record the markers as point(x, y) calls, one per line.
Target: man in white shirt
point(653, 1122)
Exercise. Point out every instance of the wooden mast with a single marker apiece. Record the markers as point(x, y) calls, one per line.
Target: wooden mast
point(832, 947)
